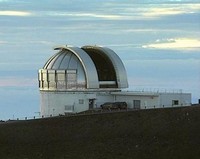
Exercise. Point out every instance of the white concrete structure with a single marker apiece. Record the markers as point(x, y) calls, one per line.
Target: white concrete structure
point(78, 79)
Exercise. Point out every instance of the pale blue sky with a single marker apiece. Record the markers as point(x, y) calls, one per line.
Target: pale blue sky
point(158, 41)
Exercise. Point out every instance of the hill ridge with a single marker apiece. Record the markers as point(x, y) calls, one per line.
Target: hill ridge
point(156, 133)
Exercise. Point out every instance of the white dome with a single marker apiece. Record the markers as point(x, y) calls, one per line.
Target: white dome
point(63, 60)
point(89, 67)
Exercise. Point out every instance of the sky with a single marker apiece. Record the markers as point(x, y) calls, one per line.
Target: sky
point(157, 40)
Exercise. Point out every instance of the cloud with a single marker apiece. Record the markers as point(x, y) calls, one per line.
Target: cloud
point(15, 13)
point(17, 81)
point(167, 10)
point(85, 15)
point(42, 42)
point(3, 42)
point(154, 12)
point(175, 44)
point(118, 11)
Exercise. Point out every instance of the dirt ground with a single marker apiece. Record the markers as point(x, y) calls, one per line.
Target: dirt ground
point(172, 133)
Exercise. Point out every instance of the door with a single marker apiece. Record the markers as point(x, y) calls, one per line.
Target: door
point(91, 103)
point(136, 104)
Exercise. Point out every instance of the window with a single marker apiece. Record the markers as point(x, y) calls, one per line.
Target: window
point(44, 76)
point(136, 104)
point(175, 102)
point(81, 101)
point(69, 108)
point(71, 79)
point(61, 76)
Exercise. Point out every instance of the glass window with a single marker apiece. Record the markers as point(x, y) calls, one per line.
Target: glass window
point(175, 102)
point(81, 101)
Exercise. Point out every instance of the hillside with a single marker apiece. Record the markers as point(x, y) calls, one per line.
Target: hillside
point(172, 133)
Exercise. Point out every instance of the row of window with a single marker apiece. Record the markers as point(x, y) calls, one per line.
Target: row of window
point(59, 79)
point(61, 85)
point(70, 108)
point(57, 75)
point(137, 103)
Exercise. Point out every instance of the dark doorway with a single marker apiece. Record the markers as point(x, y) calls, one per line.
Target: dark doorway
point(91, 103)
point(104, 67)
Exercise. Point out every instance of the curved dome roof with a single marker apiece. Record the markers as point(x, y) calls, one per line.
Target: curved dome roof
point(62, 60)
point(89, 67)
point(111, 62)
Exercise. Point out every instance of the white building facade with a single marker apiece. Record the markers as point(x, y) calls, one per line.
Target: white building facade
point(78, 79)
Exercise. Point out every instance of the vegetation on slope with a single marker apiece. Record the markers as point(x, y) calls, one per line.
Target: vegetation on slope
point(143, 134)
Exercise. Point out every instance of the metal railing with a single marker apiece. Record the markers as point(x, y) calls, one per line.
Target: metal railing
point(156, 90)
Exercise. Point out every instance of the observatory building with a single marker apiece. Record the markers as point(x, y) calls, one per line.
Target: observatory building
point(78, 79)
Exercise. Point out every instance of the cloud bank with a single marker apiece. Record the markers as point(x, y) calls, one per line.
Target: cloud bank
point(175, 44)
point(15, 13)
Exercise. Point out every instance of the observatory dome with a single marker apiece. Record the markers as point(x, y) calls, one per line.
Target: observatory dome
point(89, 67)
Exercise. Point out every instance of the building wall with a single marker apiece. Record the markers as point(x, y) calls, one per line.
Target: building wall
point(168, 99)
point(103, 97)
point(55, 103)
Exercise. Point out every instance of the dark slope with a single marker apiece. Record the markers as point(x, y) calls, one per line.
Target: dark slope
point(159, 133)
